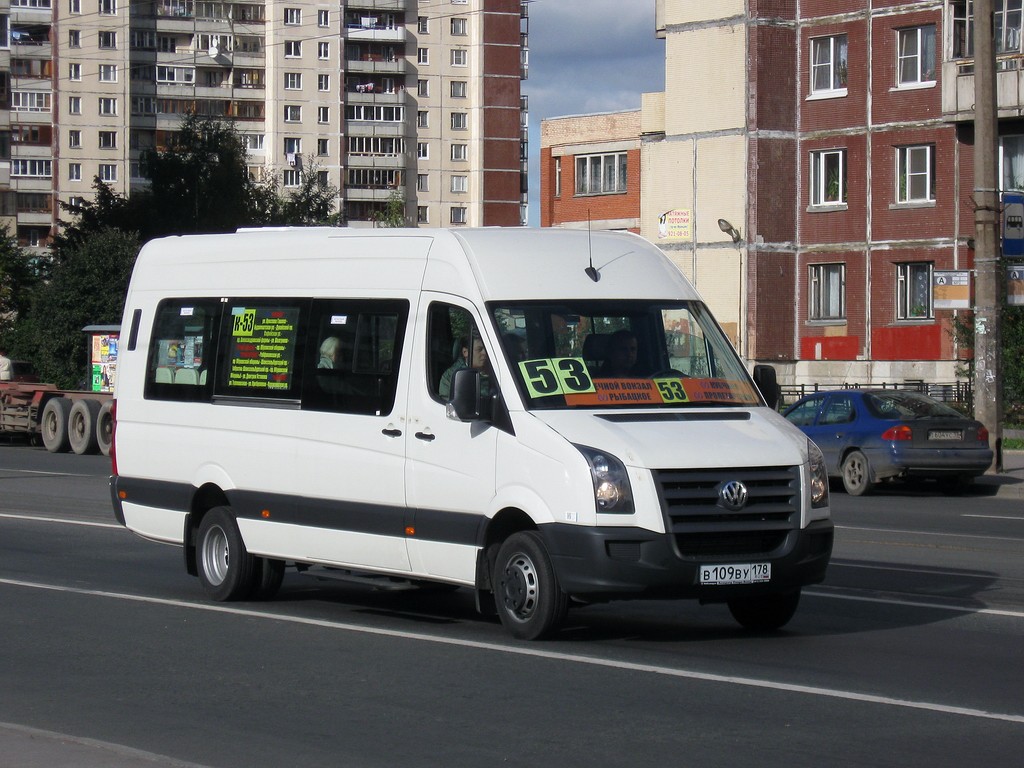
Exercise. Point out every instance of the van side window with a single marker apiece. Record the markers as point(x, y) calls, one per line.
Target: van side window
point(181, 350)
point(260, 344)
point(353, 355)
point(455, 343)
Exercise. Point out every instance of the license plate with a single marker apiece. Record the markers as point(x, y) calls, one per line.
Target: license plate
point(745, 573)
point(945, 434)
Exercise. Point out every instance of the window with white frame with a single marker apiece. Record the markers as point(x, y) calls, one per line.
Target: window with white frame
point(828, 177)
point(916, 55)
point(458, 215)
point(1006, 19)
point(422, 215)
point(422, 87)
point(828, 64)
point(108, 172)
point(108, 139)
point(74, 71)
point(323, 114)
point(1011, 161)
point(108, 39)
point(458, 26)
point(74, 171)
point(293, 81)
point(827, 294)
point(915, 174)
point(601, 174)
point(422, 25)
point(107, 106)
point(422, 150)
point(292, 113)
point(323, 18)
point(323, 82)
point(323, 51)
point(30, 101)
point(291, 178)
point(74, 38)
point(914, 291)
point(558, 177)
point(422, 182)
point(292, 145)
point(458, 89)
point(460, 183)
point(460, 57)
point(175, 75)
point(422, 119)
point(75, 139)
point(292, 16)
point(422, 56)
point(253, 142)
point(459, 121)
point(322, 146)
point(292, 49)
point(108, 7)
point(74, 105)
point(108, 73)
point(459, 151)
point(74, 6)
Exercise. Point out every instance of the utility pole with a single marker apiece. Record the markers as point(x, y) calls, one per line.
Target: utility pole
point(988, 399)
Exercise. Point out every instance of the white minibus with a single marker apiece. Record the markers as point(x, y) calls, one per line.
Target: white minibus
point(547, 417)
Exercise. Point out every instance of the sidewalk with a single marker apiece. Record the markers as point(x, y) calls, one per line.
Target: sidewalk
point(31, 748)
point(1009, 482)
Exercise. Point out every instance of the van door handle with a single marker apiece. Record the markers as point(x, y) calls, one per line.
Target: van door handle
point(424, 436)
point(391, 432)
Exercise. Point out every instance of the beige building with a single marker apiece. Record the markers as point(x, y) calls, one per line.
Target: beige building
point(377, 96)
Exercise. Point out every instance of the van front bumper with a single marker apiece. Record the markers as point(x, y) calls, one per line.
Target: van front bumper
point(609, 563)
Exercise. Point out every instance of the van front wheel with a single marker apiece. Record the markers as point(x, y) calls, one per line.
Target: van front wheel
point(765, 613)
point(226, 570)
point(529, 599)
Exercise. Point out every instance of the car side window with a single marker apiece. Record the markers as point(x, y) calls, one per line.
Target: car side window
point(838, 411)
point(803, 414)
point(454, 343)
point(181, 350)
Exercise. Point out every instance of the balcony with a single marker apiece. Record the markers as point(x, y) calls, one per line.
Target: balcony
point(376, 33)
point(958, 87)
point(373, 64)
point(377, 5)
point(361, 160)
point(374, 96)
point(381, 194)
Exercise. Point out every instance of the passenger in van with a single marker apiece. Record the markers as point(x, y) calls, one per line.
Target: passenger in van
point(620, 360)
point(474, 356)
point(329, 352)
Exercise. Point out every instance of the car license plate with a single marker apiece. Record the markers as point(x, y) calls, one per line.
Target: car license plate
point(746, 573)
point(945, 434)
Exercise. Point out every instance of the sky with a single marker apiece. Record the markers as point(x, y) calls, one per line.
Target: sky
point(588, 56)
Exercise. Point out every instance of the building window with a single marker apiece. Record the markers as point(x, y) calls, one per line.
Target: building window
point(558, 177)
point(915, 175)
point(107, 106)
point(828, 64)
point(323, 18)
point(293, 81)
point(422, 25)
point(422, 119)
point(422, 56)
point(458, 215)
point(422, 182)
point(601, 174)
point(108, 139)
point(323, 114)
point(293, 16)
point(1007, 21)
point(458, 89)
point(108, 172)
point(458, 26)
point(74, 171)
point(459, 121)
point(322, 147)
point(323, 51)
point(75, 139)
point(460, 183)
point(422, 217)
point(108, 73)
point(460, 57)
point(916, 56)
point(74, 105)
point(74, 6)
point(459, 152)
point(253, 141)
point(74, 38)
point(914, 291)
point(422, 87)
point(827, 292)
point(292, 145)
point(291, 178)
point(422, 150)
point(74, 71)
point(828, 177)
point(323, 82)
point(292, 49)
point(108, 40)
point(292, 113)
point(108, 7)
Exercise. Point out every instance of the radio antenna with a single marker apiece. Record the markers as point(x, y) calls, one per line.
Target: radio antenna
point(592, 273)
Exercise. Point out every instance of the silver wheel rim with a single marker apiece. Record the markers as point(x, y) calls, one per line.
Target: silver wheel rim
point(520, 587)
point(215, 555)
point(855, 472)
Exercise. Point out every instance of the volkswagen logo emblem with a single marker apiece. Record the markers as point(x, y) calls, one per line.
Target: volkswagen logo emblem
point(733, 495)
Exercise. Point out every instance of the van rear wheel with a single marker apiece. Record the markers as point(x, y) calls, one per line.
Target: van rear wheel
point(765, 613)
point(226, 570)
point(529, 599)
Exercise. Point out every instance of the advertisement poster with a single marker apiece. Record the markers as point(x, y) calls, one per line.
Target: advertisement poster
point(103, 362)
point(951, 290)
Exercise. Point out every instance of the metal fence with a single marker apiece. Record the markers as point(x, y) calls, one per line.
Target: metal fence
point(957, 393)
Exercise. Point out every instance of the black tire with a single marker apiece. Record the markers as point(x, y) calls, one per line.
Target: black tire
point(226, 570)
point(857, 474)
point(268, 578)
point(105, 428)
point(527, 594)
point(765, 613)
point(53, 425)
point(82, 426)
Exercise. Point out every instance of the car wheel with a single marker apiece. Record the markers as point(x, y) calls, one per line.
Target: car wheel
point(856, 474)
point(529, 599)
point(765, 613)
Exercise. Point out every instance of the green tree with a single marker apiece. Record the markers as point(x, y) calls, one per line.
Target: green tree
point(107, 209)
point(393, 214)
point(312, 203)
point(87, 286)
point(19, 276)
point(1011, 327)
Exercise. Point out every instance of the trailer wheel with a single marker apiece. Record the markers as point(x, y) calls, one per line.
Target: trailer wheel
point(82, 426)
point(105, 427)
point(54, 424)
point(226, 570)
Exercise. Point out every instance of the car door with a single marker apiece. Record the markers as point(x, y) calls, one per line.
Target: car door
point(450, 465)
point(832, 429)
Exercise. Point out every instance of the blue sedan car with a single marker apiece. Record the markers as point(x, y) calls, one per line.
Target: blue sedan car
point(871, 435)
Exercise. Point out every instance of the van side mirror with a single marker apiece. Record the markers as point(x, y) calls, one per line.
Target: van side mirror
point(468, 401)
point(766, 381)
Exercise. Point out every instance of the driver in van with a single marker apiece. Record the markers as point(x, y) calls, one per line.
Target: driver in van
point(470, 356)
point(620, 360)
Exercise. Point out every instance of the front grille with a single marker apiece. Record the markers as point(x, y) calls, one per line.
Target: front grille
point(702, 525)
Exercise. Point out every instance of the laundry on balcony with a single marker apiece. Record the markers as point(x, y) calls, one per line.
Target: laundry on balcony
point(364, 88)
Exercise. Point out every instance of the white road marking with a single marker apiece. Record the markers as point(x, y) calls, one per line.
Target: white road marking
point(997, 517)
point(520, 650)
point(61, 520)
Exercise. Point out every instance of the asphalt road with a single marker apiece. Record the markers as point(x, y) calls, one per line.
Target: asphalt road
point(908, 655)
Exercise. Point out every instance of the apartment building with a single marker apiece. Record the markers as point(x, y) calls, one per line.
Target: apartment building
point(416, 97)
point(835, 138)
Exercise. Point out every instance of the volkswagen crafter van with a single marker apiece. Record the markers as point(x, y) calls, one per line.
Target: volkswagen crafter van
point(547, 417)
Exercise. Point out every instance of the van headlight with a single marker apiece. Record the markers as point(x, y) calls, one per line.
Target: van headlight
point(612, 494)
point(819, 476)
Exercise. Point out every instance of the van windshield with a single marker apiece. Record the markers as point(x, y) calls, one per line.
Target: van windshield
point(614, 354)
